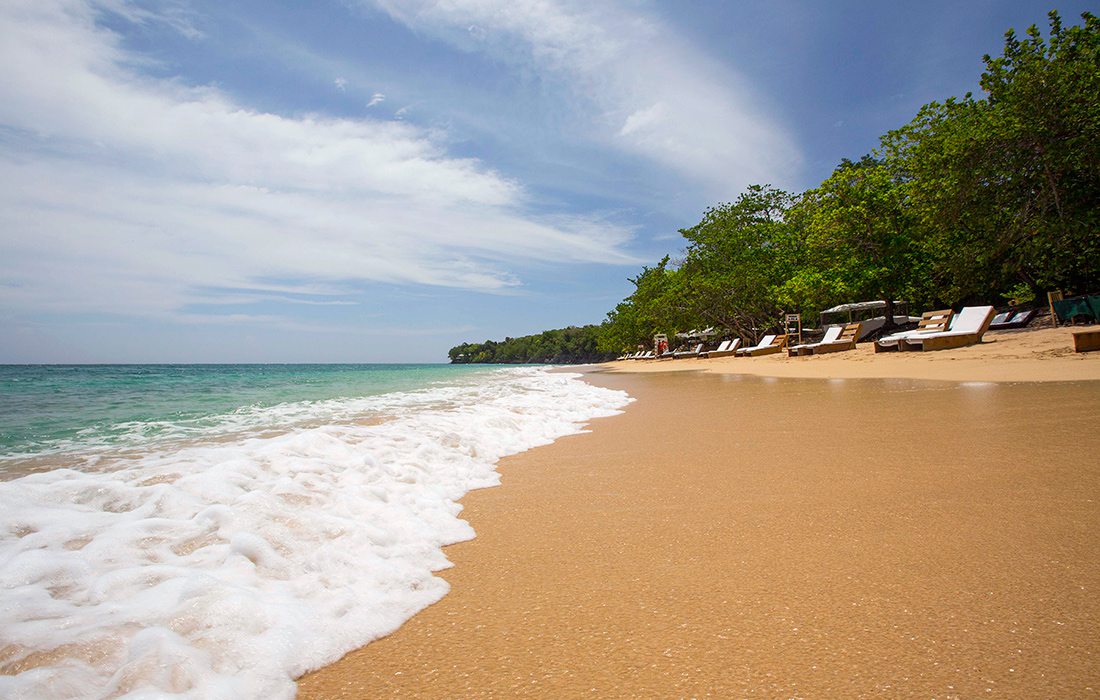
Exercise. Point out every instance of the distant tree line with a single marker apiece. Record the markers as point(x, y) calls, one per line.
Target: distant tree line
point(564, 346)
point(993, 199)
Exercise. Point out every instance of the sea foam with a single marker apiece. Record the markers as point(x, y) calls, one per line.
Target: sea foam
point(226, 568)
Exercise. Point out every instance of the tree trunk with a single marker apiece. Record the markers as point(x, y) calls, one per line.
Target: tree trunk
point(889, 312)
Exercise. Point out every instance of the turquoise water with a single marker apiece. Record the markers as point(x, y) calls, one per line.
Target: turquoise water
point(47, 409)
point(279, 515)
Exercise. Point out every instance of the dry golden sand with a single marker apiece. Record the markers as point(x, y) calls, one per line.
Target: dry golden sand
point(1040, 355)
point(737, 536)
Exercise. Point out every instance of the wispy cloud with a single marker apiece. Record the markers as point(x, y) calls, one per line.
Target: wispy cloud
point(341, 84)
point(376, 98)
point(629, 82)
point(123, 193)
point(170, 13)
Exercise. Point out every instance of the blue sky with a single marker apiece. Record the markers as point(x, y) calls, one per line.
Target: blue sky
point(378, 180)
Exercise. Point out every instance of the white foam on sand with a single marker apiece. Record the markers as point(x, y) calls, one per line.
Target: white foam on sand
point(227, 569)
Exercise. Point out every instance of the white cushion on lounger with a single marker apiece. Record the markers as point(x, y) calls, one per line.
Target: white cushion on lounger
point(764, 342)
point(831, 334)
point(893, 338)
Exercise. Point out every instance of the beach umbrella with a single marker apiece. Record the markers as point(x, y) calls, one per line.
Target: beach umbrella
point(705, 333)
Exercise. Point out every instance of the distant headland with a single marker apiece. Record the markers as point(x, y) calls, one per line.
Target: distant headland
point(564, 346)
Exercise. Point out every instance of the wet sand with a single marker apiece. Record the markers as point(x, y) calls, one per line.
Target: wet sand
point(738, 536)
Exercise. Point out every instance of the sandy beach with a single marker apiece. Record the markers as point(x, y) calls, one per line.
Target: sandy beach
point(1025, 355)
point(853, 525)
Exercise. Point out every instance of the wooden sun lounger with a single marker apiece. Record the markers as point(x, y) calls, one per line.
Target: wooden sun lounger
point(694, 352)
point(1009, 320)
point(930, 322)
point(764, 342)
point(967, 328)
point(769, 345)
point(725, 349)
point(846, 341)
point(831, 334)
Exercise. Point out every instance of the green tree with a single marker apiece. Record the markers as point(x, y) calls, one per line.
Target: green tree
point(1045, 96)
point(861, 239)
point(1006, 186)
point(655, 306)
point(738, 257)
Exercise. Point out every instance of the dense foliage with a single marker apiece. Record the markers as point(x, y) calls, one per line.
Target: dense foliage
point(565, 346)
point(990, 199)
point(985, 199)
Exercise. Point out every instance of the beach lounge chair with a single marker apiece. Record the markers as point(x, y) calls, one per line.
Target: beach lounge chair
point(831, 334)
point(768, 345)
point(967, 328)
point(693, 352)
point(930, 322)
point(1010, 320)
point(724, 349)
point(766, 341)
point(847, 339)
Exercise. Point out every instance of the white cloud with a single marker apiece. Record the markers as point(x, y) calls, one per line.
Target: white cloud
point(629, 80)
point(127, 194)
point(341, 84)
point(651, 117)
point(376, 98)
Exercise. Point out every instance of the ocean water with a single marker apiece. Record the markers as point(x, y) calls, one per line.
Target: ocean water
point(214, 531)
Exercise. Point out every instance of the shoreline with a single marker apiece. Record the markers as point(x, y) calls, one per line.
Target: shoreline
point(733, 535)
